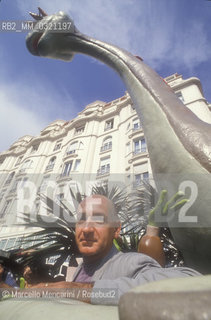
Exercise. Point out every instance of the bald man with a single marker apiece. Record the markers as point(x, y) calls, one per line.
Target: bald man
point(105, 273)
point(111, 272)
point(97, 226)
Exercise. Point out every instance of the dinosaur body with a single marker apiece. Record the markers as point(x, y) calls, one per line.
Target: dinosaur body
point(179, 144)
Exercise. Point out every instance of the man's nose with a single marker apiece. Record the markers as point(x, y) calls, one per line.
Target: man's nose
point(88, 226)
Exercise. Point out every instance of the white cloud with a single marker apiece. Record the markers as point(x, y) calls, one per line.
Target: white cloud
point(193, 45)
point(27, 108)
point(15, 121)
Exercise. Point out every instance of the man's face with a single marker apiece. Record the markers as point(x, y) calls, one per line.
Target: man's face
point(94, 230)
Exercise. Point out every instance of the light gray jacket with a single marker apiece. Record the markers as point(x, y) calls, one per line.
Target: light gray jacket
point(119, 272)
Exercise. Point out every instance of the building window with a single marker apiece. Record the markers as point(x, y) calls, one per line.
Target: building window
point(136, 124)
point(145, 175)
point(72, 147)
point(19, 160)
point(15, 185)
point(1, 160)
point(5, 208)
point(67, 168)
point(51, 164)
point(59, 198)
point(139, 178)
point(58, 145)
point(77, 164)
point(35, 147)
point(79, 130)
point(140, 146)
point(26, 165)
point(104, 166)
point(109, 125)
point(137, 181)
point(19, 184)
point(23, 182)
point(44, 184)
point(107, 144)
point(9, 179)
point(180, 96)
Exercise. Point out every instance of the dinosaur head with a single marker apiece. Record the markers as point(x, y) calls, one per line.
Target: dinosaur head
point(51, 36)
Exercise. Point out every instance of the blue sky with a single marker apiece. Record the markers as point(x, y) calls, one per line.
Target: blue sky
point(170, 35)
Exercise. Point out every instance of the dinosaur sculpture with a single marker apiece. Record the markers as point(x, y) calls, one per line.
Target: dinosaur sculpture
point(179, 144)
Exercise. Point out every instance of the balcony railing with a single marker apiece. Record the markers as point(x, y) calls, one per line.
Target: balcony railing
point(139, 150)
point(70, 152)
point(64, 175)
point(105, 147)
point(49, 167)
point(103, 170)
point(79, 131)
point(137, 127)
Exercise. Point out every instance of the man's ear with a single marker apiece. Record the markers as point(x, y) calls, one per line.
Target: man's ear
point(117, 231)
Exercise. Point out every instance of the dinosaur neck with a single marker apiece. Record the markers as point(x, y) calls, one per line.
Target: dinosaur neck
point(177, 133)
